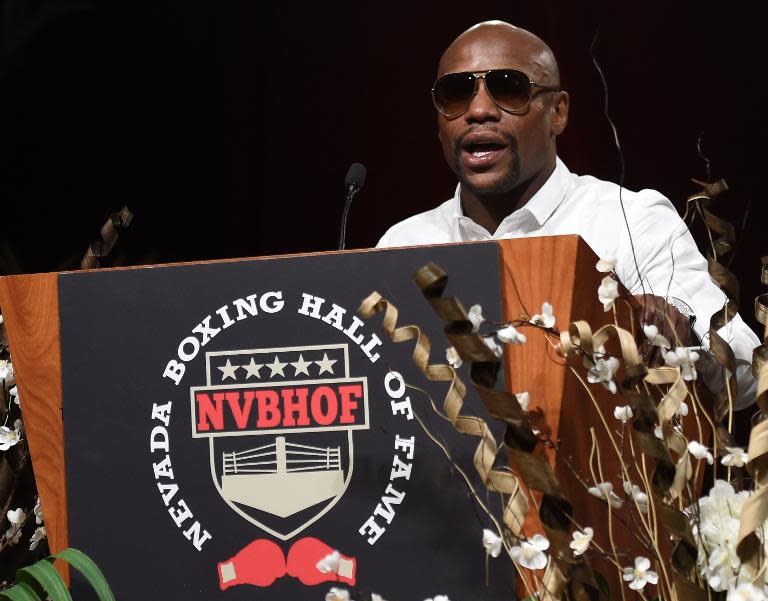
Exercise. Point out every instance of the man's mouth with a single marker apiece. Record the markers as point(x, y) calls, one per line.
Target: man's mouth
point(481, 149)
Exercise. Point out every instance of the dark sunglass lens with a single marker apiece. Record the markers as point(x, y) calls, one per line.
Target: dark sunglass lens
point(453, 92)
point(510, 89)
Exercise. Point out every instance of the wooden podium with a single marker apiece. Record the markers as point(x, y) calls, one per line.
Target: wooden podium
point(39, 311)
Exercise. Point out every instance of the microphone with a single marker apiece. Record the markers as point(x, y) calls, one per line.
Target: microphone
point(352, 184)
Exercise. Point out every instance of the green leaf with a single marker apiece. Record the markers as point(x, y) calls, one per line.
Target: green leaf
point(21, 591)
point(602, 584)
point(47, 577)
point(86, 566)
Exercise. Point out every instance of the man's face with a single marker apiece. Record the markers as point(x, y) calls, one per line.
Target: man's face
point(492, 151)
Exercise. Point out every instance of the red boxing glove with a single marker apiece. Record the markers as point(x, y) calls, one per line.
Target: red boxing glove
point(260, 563)
point(304, 557)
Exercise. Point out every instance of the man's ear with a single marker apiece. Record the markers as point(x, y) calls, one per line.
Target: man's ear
point(560, 113)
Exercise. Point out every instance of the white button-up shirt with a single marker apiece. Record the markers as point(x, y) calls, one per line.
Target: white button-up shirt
point(667, 257)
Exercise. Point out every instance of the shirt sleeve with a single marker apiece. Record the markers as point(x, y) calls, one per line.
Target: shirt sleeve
point(671, 265)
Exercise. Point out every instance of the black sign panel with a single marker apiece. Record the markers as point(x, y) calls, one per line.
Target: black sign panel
point(229, 425)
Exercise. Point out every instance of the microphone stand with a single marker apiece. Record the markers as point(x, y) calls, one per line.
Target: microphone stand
point(350, 195)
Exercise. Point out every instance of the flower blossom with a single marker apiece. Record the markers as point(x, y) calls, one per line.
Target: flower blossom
point(491, 343)
point(546, 319)
point(604, 491)
point(38, 535)
point(716, 531)
point(684, 358)
point(640, 575)
point(652, 334)
point(8, 437)
point(581, 540)
point(608, 292)
point(736, 457)
point(699, 451)
point(38, 511)
point(6, 370)
point(453, 358)
point(16, 517)
point(682, 410)
point(524, 399)
point(623, 413)
point(510, 335)
point(475, 315)
point(329, 563)
point(746, 592)
point(530, 553)
point(337, 594)
point(602, 371)
point(637, 495)
point(492, 542)
point(606, 265)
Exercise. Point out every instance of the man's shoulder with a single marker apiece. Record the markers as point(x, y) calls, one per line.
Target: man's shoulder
point(597, 197)
point(430, 227)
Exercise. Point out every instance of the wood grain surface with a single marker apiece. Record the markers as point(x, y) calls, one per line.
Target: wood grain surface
point(30, 305)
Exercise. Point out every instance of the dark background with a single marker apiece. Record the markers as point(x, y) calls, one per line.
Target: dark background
point(228, 127)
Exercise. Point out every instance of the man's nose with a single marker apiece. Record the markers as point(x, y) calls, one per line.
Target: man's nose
point(482, 107)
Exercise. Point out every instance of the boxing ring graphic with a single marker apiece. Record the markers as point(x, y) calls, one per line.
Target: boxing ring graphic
point(282, 478)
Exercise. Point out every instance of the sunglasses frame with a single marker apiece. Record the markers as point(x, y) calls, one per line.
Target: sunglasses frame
point(478, 75)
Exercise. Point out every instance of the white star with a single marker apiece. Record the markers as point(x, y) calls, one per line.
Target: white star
point(326, 364)
point(276, 367)
point(301, 366)
point(228, 371)
point(252, 369)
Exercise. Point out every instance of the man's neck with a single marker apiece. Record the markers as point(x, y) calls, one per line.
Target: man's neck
point(489, 211)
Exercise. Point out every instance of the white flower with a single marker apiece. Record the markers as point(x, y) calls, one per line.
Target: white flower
point(491, 343)
point(602, 371)
point(6, 370)
point(640, 575)
point(37, 536)
point(652, 334)
point(637, 495)
point(746, 592)
point(530, 554)
point(608, 292)
point(492, 542)
point(524, 399)
point(581, 540)
point(606, 265)
point(14, 392)
point(9, 437)
point(16, 516)
point(684, 358)
point(604, 491)
point(337, 594)
point(682, 410)
point(452, 356)
point(658, 433)
point(699, 451)
point(329, 563)
point(546, 319)
point(510, 335)
point(623, 413)
point(475, 315)
point(736, 457)
point(38, 511)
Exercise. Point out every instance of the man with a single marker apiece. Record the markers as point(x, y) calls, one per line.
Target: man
point(500, 110)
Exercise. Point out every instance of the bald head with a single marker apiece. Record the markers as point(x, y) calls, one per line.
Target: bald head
point(496, 41)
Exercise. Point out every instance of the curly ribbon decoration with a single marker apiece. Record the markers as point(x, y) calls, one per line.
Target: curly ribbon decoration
point(669, 477)
point(754, 513)
point(554, 510)
point(107, 237)
point(728, 283)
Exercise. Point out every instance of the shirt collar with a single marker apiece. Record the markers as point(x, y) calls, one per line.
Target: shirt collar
point(540, 206)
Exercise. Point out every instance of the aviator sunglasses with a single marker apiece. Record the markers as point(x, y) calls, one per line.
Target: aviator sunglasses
point(510, 89)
